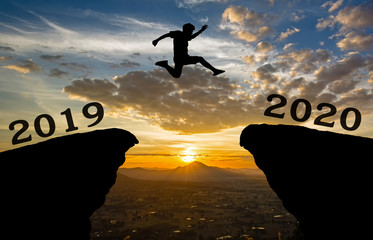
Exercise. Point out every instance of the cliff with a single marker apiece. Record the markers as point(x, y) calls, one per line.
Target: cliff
point(322, 178)
point(50, 189)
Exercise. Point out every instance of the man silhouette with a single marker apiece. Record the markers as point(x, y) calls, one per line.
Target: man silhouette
point(181, 56)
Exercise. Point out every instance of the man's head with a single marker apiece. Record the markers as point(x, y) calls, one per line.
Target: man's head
point(188, 28)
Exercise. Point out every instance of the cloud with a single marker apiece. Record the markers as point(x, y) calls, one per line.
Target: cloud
point(333, 6)
point(264, 47)
point(249, 59)
point(343, 69)
point(246, 24)
point(288, 46)
point(353, 22)
point(303, 61)
point(124, 22)
point(131, 35)
point(25, 66)
point(5, 58)
point(317, 76)
point(356, 17)
point(356, 41)
point(55, 72)
point(8, 49)
point(297, 16)
point(58, 29)
point(193, 3)
point(265, 74)
point(341, 86)
point(288, 32)
point(198, 103)
point(75, 66)
point(351, 17)
point(323, 23)
point(360, 97)
point(125, 64)
point(51, 57)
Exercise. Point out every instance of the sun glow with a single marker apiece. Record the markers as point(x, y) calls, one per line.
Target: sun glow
point(188, 155)
point(188, 159)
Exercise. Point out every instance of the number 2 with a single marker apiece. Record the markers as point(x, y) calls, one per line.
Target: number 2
point(16, 139)
point(268, 111)
point(332, 112)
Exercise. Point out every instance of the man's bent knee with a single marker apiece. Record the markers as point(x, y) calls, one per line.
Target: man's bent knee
point(176, 75)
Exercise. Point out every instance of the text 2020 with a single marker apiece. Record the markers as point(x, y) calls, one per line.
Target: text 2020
point(307, 113)
point(99, 114)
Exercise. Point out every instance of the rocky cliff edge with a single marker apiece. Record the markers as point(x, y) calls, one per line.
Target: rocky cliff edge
point(322, 178)
point(50, 189)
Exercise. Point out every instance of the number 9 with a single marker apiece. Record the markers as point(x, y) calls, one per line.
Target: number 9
point(99, 114)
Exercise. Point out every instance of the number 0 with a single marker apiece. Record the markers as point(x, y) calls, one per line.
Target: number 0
point(294, 107)
point(52, 125)
point(344, 119)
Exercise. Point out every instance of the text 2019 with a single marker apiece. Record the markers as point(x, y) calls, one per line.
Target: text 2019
point(17, 138)
point(307, 113)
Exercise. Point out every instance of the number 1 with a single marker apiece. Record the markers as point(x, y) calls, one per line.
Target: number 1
point(69, 119)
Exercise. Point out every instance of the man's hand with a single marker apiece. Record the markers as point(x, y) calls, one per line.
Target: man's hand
point(155, 42)
point(204, 27)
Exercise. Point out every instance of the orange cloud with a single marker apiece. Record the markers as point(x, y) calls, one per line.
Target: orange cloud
point(246, 24)
point(25, 66)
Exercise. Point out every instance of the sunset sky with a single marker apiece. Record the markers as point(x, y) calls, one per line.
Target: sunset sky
point(64, 54)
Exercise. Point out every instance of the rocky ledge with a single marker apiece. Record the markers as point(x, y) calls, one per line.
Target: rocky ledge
point(50, 189)
point(322, 178)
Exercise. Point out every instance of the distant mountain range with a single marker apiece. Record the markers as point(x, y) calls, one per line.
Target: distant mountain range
point(195, 171)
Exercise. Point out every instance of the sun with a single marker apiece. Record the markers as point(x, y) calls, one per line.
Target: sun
point(188, 155)
point(188, 158)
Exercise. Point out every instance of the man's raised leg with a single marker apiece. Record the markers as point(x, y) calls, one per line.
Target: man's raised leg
point(175, 72)
point(207, 65)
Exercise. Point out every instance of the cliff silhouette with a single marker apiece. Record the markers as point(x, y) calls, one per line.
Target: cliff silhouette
point(322, 178)
point(50, 189)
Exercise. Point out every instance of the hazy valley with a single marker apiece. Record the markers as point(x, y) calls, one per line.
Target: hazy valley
point(191, 202)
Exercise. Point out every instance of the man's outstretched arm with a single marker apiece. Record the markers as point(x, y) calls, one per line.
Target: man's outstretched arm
point(155, 42)
point(203, 28)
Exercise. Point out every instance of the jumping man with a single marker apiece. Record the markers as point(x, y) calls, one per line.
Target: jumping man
point(181, 56)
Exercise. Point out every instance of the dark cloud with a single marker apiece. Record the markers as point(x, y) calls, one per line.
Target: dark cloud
point(25, 66)
point(52, 57)
point(135, 54)
point(265, 74)
point(342, 69)
point(359, 97)
point(341, 86)
point(194, 104)
point(313, 76)
point(125, 64)
point(7, 49)
point(75, 66)
point(303, 61)
point(55, 72)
